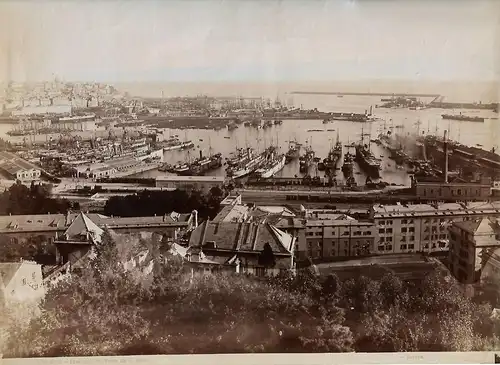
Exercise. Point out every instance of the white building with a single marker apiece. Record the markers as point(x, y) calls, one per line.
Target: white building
point(20, 283)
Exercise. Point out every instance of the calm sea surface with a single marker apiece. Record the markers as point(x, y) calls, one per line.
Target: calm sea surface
point(427, 121)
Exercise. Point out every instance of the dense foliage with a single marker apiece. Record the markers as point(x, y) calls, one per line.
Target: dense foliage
point(20, 199)
point(104, 310)
point(148, 203)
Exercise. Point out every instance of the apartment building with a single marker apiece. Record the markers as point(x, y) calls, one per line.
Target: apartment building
point(334, 238)
point(423, 227)
point(474, 249)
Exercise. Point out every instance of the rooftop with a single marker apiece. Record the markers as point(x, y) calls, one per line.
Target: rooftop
point(416, 210)
point(241, 237)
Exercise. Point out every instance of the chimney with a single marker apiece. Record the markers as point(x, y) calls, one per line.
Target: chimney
point(445, 149)
point(164, 217)
point(201, 154)
point(195, 215)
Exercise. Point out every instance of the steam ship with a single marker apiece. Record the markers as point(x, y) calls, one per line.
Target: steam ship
point(306, 160)
point(388, 142)
point(347, 166)
point(246, 165)
point(293, 152)
point(333, 156)
point(176, 144)
point(367, 161)
point(463, 118)
point(275, 163)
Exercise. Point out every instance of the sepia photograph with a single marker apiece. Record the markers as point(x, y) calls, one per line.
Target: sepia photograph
point(249, 177)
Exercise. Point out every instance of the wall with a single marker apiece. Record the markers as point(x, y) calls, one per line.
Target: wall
point(453, 191)
point(26, 285)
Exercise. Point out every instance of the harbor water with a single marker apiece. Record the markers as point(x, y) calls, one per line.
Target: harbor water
point(399, 121)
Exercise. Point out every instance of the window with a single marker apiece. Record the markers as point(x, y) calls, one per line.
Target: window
point(382, 239)
point(389, 230)
point(381, 231)
point(389, 248)
point(411, 229)
point(427, 221)
point(410, 222)
point(389, 239)
point(389, 222)
point(412, 238)
point(24, 281)
point(404, 221)
point(381, 223)
point(366, 233)
point(33, 276)
point(426, 238)
point(345, 233)
point(403, 239)
point(381, 248)
point(403, 247)
point(357, 233)
point(403, 230)
point(411, 246)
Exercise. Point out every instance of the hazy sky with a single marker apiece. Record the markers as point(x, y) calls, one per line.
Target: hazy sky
point(250, 40)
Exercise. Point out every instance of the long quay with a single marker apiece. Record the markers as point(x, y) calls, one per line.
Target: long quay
point(364, 94)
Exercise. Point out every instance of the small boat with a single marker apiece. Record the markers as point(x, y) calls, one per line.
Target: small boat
point(479, 145)
point(227, 137)
point(330, 130)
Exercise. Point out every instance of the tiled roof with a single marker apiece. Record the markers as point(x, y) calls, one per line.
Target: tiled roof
point(485, 231)
point(241, 237)
point(83, 226)
point(32, 223)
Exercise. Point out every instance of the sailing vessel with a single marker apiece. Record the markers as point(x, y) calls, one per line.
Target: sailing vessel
point(273, 164)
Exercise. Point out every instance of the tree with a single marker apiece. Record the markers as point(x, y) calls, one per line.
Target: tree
point(266, 257)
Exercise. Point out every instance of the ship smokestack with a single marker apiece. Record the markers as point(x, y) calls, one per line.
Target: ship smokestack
point(445, 149)
point(201, 154)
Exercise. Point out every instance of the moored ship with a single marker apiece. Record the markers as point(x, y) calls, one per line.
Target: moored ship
point(464, 118)
point(367, 161)
point(347, 166)
point(334, 155)
point(293, 152)
point(306, 160)
point(274, 163)
point(247, 165)
point(176, 144)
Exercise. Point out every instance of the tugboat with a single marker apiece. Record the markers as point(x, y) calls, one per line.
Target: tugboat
point(293, 152)
point(278, 122)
